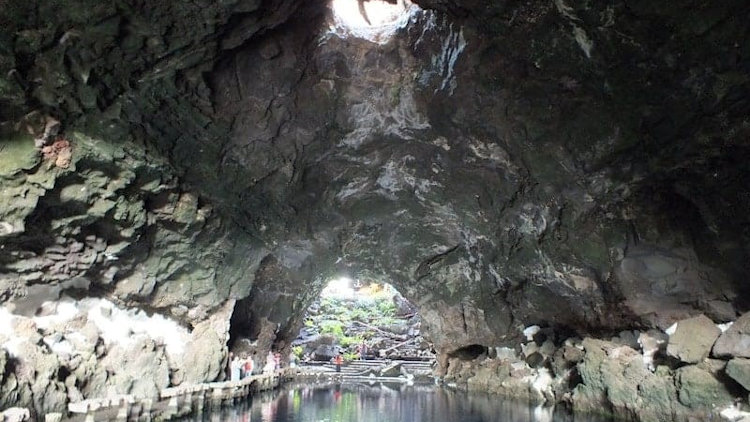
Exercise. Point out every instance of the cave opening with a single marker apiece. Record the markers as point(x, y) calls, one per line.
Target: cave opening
point(361, 320)
point(373, 20)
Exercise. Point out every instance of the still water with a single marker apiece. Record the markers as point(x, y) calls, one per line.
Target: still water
point(385, 403)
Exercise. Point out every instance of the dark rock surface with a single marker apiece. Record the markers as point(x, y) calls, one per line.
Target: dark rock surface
point(736, 340)
point(572, 164)
point(693, 339)
point(739, 370)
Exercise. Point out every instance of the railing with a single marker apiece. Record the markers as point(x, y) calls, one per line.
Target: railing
point(194, 399)
point(171, 403)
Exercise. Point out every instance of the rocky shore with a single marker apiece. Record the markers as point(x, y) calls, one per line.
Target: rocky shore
point(695, 371)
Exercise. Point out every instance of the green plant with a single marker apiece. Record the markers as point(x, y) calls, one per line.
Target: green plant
point(360, 314)
point(335, 328)
point(298, 351)
point(386, 307)
point(347, 341)
point(350, 356)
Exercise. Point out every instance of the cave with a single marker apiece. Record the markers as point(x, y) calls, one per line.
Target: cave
point(361, 320)
point(559, 179)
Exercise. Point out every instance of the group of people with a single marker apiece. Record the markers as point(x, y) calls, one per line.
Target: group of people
point(241, 368)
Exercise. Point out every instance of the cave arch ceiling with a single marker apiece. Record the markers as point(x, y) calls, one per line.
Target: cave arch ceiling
point(493, 181)
point(504, 164)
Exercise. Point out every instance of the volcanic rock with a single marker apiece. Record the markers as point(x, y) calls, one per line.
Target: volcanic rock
point(735, 341)
point(693, 339)
point(739, 370)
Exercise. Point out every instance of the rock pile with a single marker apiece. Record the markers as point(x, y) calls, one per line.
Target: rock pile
point(77, 349)
point(694, 371)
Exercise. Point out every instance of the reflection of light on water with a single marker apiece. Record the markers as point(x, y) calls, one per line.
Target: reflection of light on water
point(360, 403)
point(375, 20)
point(268, 411)
point(544, 413)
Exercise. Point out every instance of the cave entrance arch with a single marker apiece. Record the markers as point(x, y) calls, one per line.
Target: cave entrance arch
point(362, 320)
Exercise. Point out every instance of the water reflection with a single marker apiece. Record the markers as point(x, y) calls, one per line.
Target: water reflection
point(385, 403)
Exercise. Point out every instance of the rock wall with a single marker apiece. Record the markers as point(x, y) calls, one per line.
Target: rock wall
point(565, 164)
point(108, 191)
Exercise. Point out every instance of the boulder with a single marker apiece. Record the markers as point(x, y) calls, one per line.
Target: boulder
point(325, 352)
point(205, 354)
point(693, 338)
point(547, 349)
point(403, 306)
point(735, 342)
point(535, 360)
point(566, 358)
point(698, 389)
point(714, 367)
point(615, 377)
point(529, 348)
point(392, 370)
point(398, 328)
point(15, 414)
point(140, 368)
point(739, 370)
point(720, 310)
point(39, 370)
point(658, 396)
point(609, 372)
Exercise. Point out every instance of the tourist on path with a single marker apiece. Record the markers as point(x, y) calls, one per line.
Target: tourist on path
point(363, 351)
point(235, 368)
point(338, 360)
point(229, 366)
point(270, 364)
point(247, 367)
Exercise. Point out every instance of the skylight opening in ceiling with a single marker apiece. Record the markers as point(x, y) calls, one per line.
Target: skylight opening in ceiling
point(374, 20)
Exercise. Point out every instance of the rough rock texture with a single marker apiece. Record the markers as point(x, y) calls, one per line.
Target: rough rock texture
point(205, 357)
point(602, 376)
point(578, 165)
point(739, 370)
point(693, 339)
point(615, 377)
point(699, 389)
point(735, 341)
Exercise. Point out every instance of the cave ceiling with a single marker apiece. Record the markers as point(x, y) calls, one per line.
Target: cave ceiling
point(570, 163)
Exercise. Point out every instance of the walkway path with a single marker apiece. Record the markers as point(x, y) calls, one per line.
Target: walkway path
point(176, 402)
point(372, 370)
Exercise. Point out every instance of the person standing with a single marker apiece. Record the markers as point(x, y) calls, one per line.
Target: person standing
point(229, 366)
point(270, 364)
point(247, 367)
point(235, 368)
point(363, 350)
point(338, 360)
